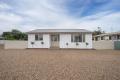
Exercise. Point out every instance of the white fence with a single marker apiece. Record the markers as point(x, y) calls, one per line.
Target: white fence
point(15, 44)
point(105, 44)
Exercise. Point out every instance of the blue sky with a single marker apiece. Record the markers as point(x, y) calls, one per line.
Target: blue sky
point(27, 15)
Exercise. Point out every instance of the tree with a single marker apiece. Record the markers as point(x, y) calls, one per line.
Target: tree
point(98, 31)
point(14, 35)
point(7, 36)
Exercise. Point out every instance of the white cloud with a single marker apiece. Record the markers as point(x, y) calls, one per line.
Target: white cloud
point(35, 14)
point(9, 21)
point(9, 17)
point(4, 6)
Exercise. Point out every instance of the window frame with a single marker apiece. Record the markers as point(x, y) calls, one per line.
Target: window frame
point(118, 37)
point(38, 37)
point(96, 38)
point(77, 38)
point(102, 38)
point(110, 37)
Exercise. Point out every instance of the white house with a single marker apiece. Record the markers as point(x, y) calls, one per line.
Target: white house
point(60, 38)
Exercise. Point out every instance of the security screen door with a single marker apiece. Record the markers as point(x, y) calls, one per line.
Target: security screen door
point(55, 41)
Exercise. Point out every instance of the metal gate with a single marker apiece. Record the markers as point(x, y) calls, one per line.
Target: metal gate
point(117, 45)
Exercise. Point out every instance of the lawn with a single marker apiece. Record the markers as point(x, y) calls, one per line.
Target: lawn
point(38, 64)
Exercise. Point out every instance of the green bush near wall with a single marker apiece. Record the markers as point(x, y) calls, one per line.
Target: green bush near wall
point(14, 35)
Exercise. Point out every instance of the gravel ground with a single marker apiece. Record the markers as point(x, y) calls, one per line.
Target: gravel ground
point(36, 64)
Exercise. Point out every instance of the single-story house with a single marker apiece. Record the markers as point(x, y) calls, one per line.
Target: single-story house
point(60, 38)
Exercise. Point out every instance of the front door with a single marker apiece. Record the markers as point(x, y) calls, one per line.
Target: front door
point(55, 41)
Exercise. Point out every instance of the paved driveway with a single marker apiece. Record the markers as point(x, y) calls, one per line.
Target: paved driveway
point(45, 64)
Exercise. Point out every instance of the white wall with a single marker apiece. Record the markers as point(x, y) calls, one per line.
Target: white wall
point(37, 44)
point(88, 39)
point(2, 42)
point(66, 38)
point(15, 44)
point(106, 37)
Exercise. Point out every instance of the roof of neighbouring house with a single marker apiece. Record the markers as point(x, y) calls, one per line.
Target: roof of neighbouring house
point(108, 34)
point(59, 31)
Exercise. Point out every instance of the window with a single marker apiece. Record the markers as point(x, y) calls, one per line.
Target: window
point(110, 37)
point(83, 36)
point(54, 37)
point(118, 36)
point(96, 38)
point(77, 38)
point(102, 38)
point(38, 37)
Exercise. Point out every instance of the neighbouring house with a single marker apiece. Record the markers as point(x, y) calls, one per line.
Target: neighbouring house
point(60, 38)
point(107, 41)
point(107, 36)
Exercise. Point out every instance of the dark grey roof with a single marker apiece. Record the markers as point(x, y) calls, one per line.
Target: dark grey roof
point(59, 31)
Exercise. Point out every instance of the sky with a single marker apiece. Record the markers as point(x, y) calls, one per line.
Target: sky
point(27, 15)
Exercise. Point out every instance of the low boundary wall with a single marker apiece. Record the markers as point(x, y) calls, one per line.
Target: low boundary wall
point(105, 44)
point(2, 42)
point(15, 44)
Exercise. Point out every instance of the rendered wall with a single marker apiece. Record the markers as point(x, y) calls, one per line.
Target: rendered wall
point(105, 44)
point(15, 44)
point(2, 42)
